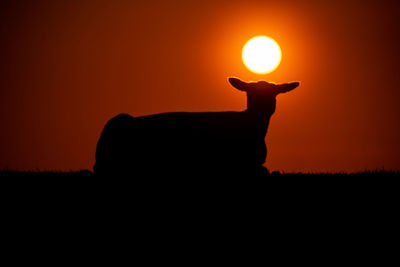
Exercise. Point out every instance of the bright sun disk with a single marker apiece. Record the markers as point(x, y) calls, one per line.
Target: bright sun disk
point(261, 54)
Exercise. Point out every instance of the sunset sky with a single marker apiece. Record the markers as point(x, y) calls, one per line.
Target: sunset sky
point(67, 67)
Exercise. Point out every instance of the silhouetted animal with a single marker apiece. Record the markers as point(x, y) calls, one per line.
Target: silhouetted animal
point(189, 143)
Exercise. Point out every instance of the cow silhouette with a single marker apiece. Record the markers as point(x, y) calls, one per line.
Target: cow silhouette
point(187, 144)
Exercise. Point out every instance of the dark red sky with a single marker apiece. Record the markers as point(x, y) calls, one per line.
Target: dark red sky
point(67, 67)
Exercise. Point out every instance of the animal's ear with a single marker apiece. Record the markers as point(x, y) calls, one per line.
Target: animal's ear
point(286, 87)
point(238, 84)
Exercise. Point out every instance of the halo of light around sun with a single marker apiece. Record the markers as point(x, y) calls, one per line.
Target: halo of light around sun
point(261, 54)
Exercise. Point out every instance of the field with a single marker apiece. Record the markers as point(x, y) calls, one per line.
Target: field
point(277, 187)
point(289, 206)
point(275, 174)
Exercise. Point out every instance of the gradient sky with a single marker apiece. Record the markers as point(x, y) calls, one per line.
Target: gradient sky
point(67, 67)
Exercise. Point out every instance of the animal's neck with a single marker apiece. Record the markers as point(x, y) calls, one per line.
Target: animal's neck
point(258, 119)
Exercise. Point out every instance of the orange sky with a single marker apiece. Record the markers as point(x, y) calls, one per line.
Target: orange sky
point(67, 67)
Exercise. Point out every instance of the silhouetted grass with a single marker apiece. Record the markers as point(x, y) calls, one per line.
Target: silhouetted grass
point(296, 197)
point(273, 174)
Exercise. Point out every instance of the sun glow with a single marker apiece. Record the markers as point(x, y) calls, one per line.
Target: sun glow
point(261, 54)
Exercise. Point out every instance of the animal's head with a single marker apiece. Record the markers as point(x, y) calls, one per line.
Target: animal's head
point(261, 96)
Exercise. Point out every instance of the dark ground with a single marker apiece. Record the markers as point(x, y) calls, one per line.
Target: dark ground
point(290, 217)
point(275, 174)
point(379, 184)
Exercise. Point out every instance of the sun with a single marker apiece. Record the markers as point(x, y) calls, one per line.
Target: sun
point(261, 54)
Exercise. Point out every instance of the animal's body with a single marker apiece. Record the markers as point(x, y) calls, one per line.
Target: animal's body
point(187, 143)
